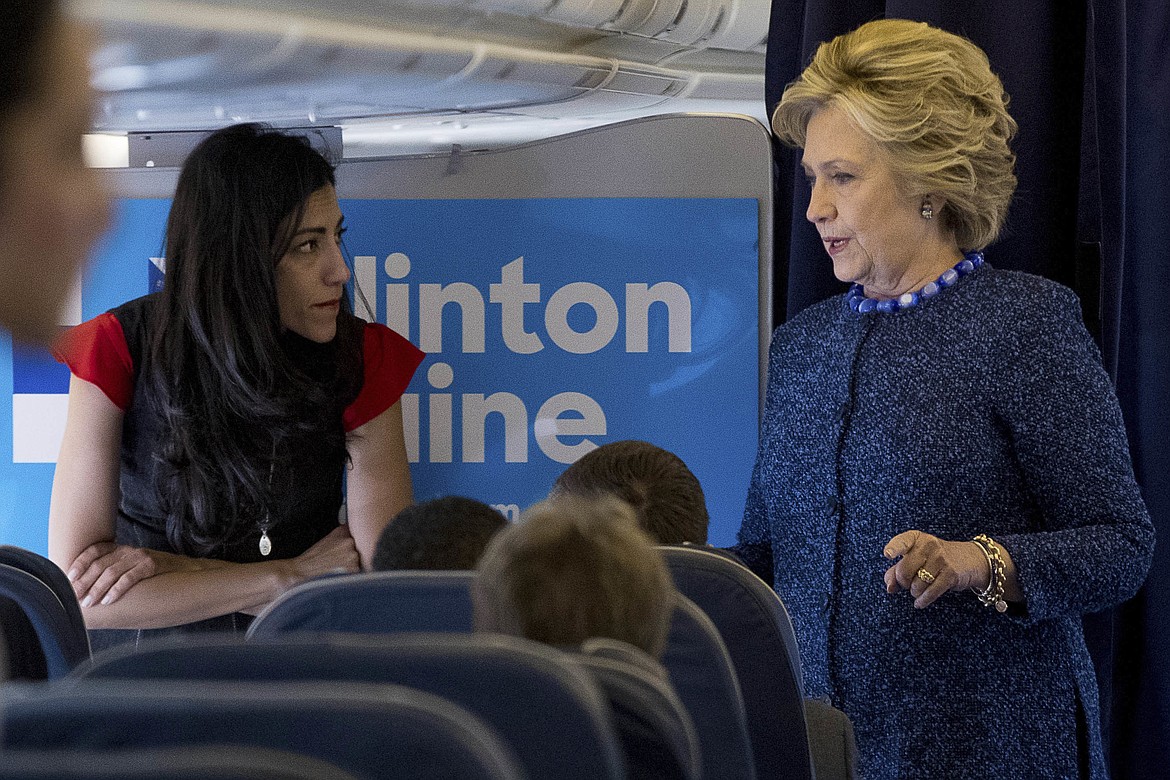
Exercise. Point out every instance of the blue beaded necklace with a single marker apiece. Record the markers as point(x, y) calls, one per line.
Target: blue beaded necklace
point(862, 305)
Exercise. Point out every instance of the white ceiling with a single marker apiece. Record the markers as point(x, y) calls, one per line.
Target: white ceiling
point(418, 77)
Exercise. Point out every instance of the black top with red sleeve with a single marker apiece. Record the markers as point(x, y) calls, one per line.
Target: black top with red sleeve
point(306, 478)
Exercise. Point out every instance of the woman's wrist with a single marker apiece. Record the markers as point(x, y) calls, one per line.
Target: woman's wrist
point(982, 581)
point(993, 594)
point(286, 573)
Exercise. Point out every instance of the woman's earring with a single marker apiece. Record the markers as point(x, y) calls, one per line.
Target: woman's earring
point(927, 210)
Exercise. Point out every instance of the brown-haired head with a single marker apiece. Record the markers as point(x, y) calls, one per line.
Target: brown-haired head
point(574, 568)
point(666, 496)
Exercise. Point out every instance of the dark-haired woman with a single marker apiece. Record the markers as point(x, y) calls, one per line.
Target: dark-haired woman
point(216, 428)
point(52, 208)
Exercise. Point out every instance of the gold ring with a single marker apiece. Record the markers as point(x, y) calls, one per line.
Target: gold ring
point(925, 576)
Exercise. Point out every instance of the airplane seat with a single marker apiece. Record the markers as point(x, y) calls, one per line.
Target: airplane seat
point(702, 673)
point(638, 690)
point(61, 640)
point(371, 731)
point(372, 602)
point(546, 707)
point(213, 762)
point(47, 572)
point(388, 602)
point(21, 657)
point(755, 627)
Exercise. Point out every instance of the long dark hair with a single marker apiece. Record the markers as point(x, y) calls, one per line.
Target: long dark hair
point(226, 382)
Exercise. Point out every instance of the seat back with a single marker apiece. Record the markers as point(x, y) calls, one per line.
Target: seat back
point(639, 688)
point(63, 643)
point(374, 602)
point(21, 657)
point(831, 741)
point(545, 707)
point(371, 731)
point(701, 671)
point(47, 572)
point(214, 762)
point(388, 602)
point(758, 634)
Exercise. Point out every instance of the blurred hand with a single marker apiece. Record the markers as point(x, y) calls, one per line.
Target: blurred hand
point(953, 565)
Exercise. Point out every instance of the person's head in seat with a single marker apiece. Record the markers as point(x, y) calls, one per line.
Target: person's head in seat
point(573, 568)
point(448, 533)
point(656, 483)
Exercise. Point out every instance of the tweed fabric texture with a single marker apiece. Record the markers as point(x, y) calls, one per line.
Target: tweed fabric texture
point(985, 409)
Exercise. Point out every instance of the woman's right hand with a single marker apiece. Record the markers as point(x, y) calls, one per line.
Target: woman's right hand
point(336, 553)
point(104, 571)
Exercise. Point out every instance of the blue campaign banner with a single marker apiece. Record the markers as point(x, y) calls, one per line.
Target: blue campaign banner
point(551, 326)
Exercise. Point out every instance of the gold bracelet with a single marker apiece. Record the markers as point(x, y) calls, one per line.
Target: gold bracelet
point(993, 595)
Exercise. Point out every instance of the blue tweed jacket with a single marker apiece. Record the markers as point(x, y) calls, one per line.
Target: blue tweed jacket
point(985, 409)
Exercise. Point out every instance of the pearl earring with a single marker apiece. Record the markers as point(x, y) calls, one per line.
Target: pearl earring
point(927, 210)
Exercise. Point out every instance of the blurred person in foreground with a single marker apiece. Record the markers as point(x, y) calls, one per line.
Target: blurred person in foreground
point(52, 207)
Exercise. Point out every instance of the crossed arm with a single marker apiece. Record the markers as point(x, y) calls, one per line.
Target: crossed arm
point(126, 587)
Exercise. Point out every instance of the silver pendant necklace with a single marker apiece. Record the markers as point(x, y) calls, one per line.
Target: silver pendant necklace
point(265, 542)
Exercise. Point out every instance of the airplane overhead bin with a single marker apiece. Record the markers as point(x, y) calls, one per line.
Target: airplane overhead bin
point(739, 25)
point(419, 76)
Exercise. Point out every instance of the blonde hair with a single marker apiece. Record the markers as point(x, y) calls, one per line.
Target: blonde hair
point(573, 568)
point(930, 101)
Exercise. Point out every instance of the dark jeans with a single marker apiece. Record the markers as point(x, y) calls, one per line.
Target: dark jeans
point(235, 623)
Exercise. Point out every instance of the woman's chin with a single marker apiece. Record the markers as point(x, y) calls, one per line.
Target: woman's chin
point(320, 335)
point(845, 272)
point(851, 270)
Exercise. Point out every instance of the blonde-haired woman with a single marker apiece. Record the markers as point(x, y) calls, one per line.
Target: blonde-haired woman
point(944, 428)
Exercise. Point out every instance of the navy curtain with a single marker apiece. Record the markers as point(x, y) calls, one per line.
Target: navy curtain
point(1089, 82)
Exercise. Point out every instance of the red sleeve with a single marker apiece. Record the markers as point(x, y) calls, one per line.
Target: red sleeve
point(390, 363)
point(96, 351)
